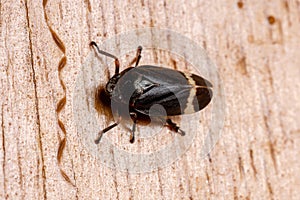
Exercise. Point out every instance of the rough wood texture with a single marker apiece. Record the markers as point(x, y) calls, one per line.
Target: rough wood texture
point(256, 46)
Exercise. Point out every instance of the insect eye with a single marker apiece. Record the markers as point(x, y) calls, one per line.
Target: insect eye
point(110, 87)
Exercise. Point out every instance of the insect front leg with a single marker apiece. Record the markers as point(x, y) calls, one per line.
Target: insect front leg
point(117, 63)
point(132, 135)
point(173, 127)
point(137, 58)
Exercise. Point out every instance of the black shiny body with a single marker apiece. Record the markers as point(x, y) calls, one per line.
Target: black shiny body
point(144, 86)
point(141, 92)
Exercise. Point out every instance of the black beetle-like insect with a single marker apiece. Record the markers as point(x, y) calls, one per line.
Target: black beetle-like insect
point(134, 92)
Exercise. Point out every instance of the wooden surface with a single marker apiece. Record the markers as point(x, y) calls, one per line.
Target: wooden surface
point(256, 48)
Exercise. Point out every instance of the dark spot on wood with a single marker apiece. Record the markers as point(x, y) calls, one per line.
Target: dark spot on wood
point(204, 45)
point(251, 39)
point(209, 158)
point(38, 60)
point(151, 23)
point(240, 4)
point(181, 188)
point(207, 178)
point(286, 5)
point(271, 19)
point(241, 66)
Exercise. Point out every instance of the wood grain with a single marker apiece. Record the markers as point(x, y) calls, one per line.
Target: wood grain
point(255, 46)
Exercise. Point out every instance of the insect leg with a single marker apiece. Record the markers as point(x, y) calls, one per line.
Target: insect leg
point(97, 140)
point(173, 127)
point(137, 58)
point(138, 55)
point(132, 137)
point(117, 63)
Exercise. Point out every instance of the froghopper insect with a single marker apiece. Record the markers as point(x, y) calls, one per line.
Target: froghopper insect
point(135, 91)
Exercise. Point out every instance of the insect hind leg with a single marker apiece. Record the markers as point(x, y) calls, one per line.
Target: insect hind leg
point(173, 127)
point(100, 134)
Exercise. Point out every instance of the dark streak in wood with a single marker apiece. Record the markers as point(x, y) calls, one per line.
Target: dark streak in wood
point(129, 186)
point(186, 174)
point(271, 145)
point(272, 151)
point(60, 10)
point(62, 102)
point(286, 6)
point(160, 183)
point(88, 20)
point(241, 168)
point(20, 170)
point(208, 182)
point(270, 190)
point(40, 144)
point(58, 41)
point(1, 15)
point(115, 19)
point(4, 153)
point(150, 14)
point(111, 151)
point(281, 39)
point(88, 3)
point(103, 20)
point(252, 163)
point(235, 193)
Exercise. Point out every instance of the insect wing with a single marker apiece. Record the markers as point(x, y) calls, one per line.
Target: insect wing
point(175, 92)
